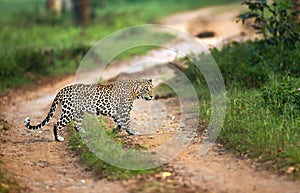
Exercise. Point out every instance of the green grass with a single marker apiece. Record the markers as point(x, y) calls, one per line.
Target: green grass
point(253, 131)
point(87, 145)
point(262, 120)
point(28, 32)
point(21, 66)
point(7, 183)
point(11, 6)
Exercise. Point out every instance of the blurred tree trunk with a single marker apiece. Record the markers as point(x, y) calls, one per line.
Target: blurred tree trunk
point(53, 6)
point(81, 11)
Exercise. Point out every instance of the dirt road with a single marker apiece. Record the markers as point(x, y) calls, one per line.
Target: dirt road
point(42, 165)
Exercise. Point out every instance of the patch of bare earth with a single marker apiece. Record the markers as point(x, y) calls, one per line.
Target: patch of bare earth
point(214, 26)
point(43, 165)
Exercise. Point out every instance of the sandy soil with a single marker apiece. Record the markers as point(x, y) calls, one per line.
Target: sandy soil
point(218, 19)
point(42, 165)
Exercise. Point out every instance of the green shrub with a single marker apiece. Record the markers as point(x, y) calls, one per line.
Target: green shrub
point(18, 65)
point(282, 96)
point(250, 64)
point(275, 20)
point(195, 76)
point(242, 65)
point(262, 120)
point(279, 61)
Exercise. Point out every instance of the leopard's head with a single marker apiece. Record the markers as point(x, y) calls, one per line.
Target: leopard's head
point(145, 89)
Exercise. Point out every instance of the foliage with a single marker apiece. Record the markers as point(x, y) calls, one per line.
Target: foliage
point(241, 65)
point(274, 20)
point(262, 120)
point(163, 90)
point(250, 64)
point(193, 73)
point(35, 43)
point(281, 95)
point(18, 66)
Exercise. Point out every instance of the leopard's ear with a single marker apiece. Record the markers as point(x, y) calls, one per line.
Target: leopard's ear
point(150, 80)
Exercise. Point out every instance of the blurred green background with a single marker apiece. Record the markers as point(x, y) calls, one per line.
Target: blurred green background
point(39, 38)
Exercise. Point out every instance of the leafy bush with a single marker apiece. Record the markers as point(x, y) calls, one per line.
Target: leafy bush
point(241, 65)
point(281, 95)
point(250, 64)
point(279, 61)
point(274, 20)
point(195, 76)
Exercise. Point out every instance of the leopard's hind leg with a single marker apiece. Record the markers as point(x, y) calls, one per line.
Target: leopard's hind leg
point(63, 121)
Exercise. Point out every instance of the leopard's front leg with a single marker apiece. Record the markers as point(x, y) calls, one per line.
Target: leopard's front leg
point(125, 124)
point(123, 119)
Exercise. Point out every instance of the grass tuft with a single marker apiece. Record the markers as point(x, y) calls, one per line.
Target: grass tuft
point(85, 146)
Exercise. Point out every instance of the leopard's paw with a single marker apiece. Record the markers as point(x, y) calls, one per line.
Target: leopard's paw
point(133, 132)
point(59, 138)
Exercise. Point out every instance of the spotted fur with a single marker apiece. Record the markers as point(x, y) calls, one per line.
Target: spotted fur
point(114, 100)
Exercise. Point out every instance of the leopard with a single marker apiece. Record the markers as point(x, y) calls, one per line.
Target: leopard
point(114, 100)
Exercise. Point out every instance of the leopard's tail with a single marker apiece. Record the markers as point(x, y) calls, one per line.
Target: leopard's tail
point(47, 119)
